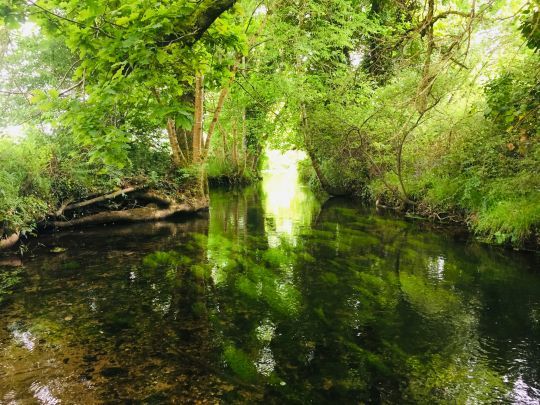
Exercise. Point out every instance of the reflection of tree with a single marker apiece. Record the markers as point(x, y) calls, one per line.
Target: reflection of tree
point(365, 329)
point(10, 278)
point(357, 307)
point(250, 281)
point(378, 311)
point(336, 333)
point(131, 324)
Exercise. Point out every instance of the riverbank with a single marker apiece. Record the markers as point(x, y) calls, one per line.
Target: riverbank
point(133, 204)
point(507, 225)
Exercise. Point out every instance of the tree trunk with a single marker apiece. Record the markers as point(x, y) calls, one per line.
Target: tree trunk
point(175, 146)
point(221, 101)
point(335, 191)
point(234, 145)
point(224, 141)
point(198, 127)
point(426, 83)
point(244, 141)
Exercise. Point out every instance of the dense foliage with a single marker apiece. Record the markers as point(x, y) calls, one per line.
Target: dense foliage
point(426, 106)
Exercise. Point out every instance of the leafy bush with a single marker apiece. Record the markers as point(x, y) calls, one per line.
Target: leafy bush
point(26, 189)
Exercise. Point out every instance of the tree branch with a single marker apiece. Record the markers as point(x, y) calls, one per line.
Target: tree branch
point(205, 15)
point(68, 19)
point(101, 198)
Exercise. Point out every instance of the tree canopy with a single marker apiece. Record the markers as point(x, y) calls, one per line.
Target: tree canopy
point(427, 106)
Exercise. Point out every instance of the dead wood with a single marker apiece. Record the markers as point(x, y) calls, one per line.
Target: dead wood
point(100, 198)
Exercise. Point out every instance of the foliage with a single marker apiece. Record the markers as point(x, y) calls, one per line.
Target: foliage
point(26, 188)
point(430, 107)
point(530, 22)
point(97, 86)
point(462, 147)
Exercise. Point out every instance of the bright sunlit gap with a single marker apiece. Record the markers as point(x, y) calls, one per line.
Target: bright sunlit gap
point(287, 202)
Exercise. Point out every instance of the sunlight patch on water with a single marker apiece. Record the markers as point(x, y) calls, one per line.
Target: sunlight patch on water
point(43, 394)
point(523, 393)
point(266, 363)
point(266, 331)
point(436, 268)
point(24, 339)
point(287, 203)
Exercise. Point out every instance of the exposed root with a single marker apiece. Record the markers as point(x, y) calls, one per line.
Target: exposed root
point(154, 197)
point(422, 210)
point(132, 215)
point(10, 241)
point(11, 262)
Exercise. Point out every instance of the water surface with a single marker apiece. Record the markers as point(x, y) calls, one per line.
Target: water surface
point(271, 298)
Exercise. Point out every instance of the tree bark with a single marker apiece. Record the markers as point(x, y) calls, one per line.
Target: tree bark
point(221, 101)
point(177, 154)
point(198, 126)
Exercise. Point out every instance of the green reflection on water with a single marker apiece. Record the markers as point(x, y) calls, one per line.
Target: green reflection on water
point(274, 298)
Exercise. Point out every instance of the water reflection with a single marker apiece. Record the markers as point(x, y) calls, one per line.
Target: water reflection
point(270, 300)
point(288, 205)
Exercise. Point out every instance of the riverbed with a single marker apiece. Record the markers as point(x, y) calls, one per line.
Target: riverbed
point(270, 297)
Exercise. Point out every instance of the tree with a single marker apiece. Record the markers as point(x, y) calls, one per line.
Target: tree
point(128, 74)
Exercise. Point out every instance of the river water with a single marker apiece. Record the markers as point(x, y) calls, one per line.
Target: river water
point(272, 297)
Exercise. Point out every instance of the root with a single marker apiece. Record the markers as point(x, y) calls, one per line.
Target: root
point(154, 197)
point(10, 241)
point(11, 262)
point(132, 215)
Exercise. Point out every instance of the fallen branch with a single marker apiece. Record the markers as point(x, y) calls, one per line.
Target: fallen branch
point(63, 207)
point(101, 198)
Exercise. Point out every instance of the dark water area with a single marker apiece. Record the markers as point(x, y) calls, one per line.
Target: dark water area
point(271, 298)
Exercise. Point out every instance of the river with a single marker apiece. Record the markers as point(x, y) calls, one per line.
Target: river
point(272, 297)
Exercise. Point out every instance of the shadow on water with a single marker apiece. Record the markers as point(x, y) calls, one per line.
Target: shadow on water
point(275, 299)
